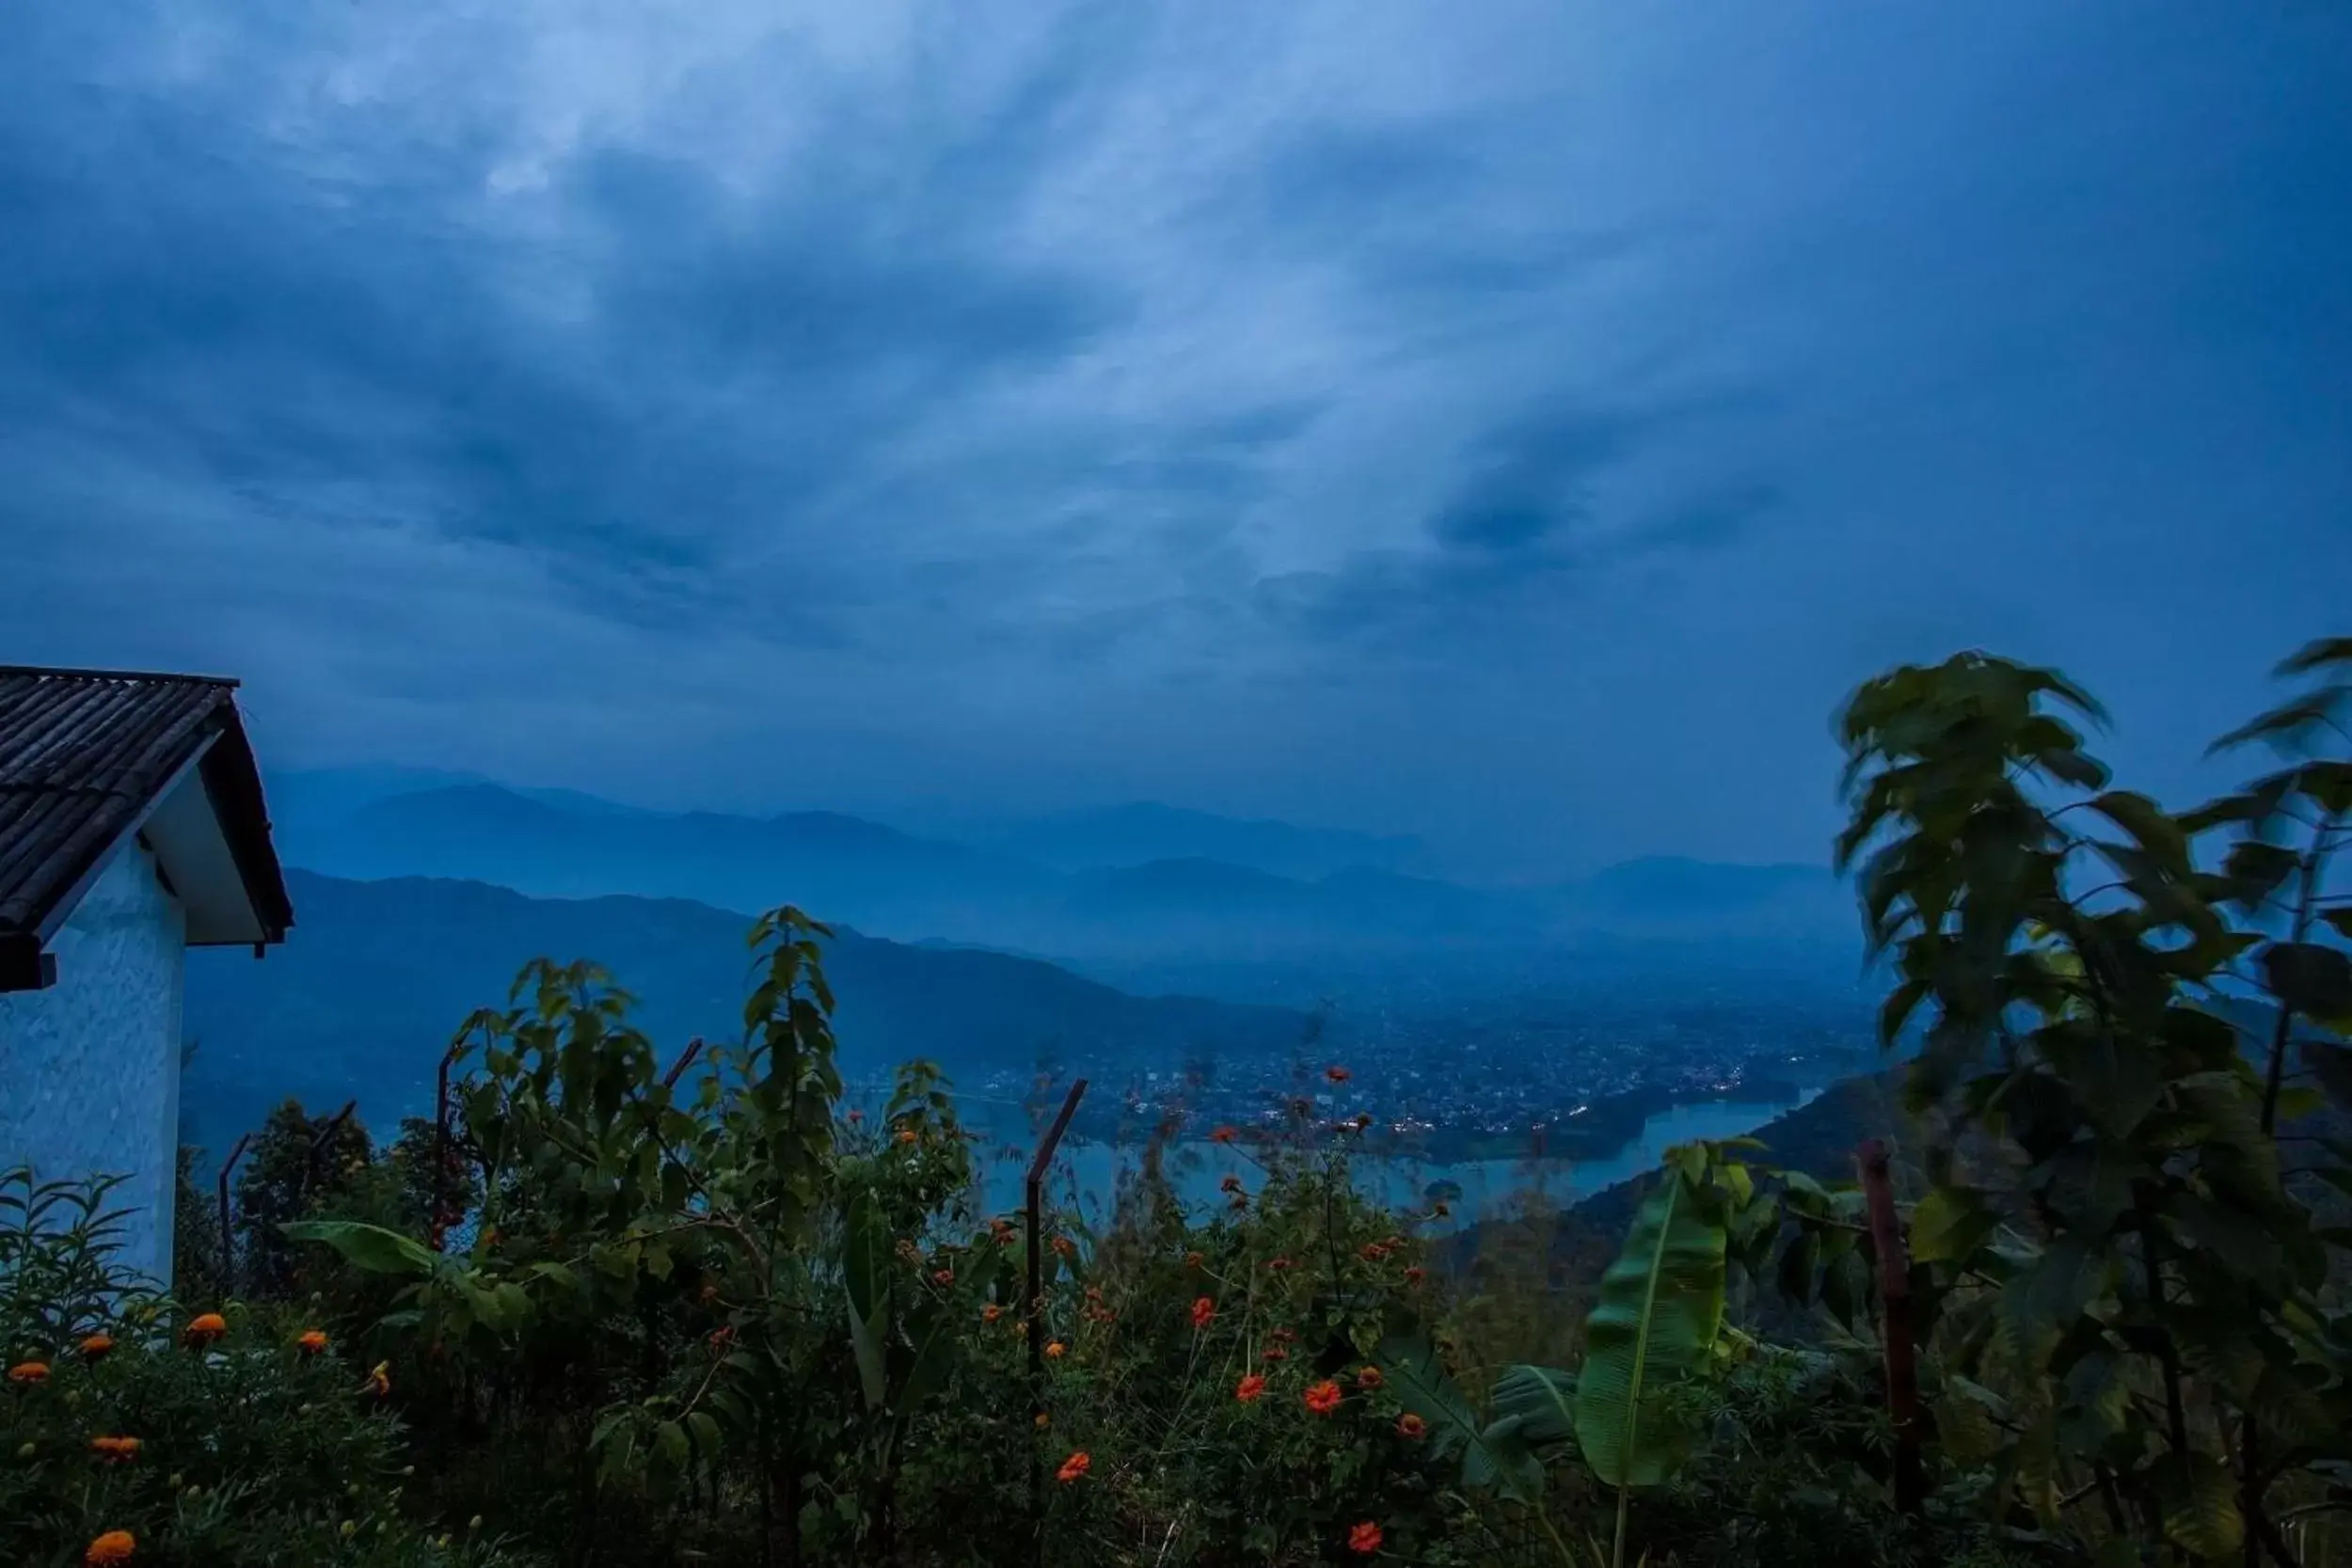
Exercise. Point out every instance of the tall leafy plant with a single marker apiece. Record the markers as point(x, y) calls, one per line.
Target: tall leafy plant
point(2109, 1242)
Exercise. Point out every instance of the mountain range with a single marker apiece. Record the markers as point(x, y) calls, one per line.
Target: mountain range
point(381, 973)
point(1205, 889)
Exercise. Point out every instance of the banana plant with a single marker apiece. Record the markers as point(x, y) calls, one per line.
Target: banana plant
point(1656, 1326)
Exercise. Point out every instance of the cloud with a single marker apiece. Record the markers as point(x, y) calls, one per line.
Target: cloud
point(1200, 403)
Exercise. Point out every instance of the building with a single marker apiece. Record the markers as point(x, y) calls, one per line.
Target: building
point(131, 828)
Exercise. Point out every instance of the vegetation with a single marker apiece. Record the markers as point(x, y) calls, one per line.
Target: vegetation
point(642, 1309)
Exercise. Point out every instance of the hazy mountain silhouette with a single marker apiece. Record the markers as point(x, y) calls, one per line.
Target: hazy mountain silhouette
point(1192, 908)
point(366, 1000)
point(1143, 831)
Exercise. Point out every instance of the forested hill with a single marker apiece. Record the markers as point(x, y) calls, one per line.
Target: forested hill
point(364, 999)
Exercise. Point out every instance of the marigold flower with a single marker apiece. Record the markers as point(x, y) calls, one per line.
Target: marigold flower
point(1223, 1136)
point(1056, 1350)
point(29, 1372)
point(1277, 1264)
point(1193, 1259)
point(1250, 1389)
point(943, 1278)
point(906, 1135)
point(990, 1313)
point(1364, 1539)
point(116, 1546)
point(379, 1380)
point(1065, 1247)
point(1075, 1467)
point(1415, 1274)
point(721, 1337)
point(115, 1450)
point(1276, 1353)
point(1322, 1398)
point(1336, 1073)
point(205, 1328)
point(1202, 1310)
point(1411, 1427)
point(1230, 1184)
point(313, 1342)
point(97, 1346)
point(1372, 1252)
point(1370, 1378)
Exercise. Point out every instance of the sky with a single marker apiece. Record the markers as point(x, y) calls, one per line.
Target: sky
point(1517, 424)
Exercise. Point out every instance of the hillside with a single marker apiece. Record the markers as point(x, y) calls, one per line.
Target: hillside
point(365, 996)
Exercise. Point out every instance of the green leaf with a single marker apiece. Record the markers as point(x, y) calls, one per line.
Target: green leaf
point(1503, 1458)
point(2333, 1066)
point(2202, 1516)
point(1542, 1398)
point(2313, 980)
point(1410, 1364)
point(1948, 1224)
point(367, 1246)
point(1654, 1323)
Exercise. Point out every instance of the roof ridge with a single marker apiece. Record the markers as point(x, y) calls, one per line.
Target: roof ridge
point(64, 672)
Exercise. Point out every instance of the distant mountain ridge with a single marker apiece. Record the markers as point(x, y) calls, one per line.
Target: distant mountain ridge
point(1144, 831)
point(366, 1000)
point(1191, 907)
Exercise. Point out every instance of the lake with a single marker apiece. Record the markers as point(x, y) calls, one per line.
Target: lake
point(1088, 1174)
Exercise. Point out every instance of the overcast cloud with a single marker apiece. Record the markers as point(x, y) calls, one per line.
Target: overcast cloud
point(1516, 423)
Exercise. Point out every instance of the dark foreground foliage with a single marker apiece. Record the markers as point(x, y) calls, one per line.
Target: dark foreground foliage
point(631, 1309)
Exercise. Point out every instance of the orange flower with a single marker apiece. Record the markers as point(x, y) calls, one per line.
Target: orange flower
point(1276, 1353)
point(1075, 1467)
point(1368, 1378)
point(29, 1372)
point(114, 1450)
point(1277, 1264)
point(906, 1135)
point(1415, 1274)
point(379, 1381)
point(1202, 1310)
point(205, 1328)
point(313, 1342)
point(116, 1546)
point(1411, 1427)
point(1252, 1389)
point(1223, 1136)
point(1336, 1073)
point(1056, 1350)
point(1065, 1247)
point(990, 1313)
point(721, 1337)
point(1372, 1252)
point(1193, 1259)
point(1364, 1539)
point(96, 1346)
point(943, 1278)
point(1324, 1398)
point(1230, 1184)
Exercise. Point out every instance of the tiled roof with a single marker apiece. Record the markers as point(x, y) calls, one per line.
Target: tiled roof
point(84, 756)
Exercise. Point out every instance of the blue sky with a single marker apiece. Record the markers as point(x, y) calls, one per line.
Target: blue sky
point(1516, 423)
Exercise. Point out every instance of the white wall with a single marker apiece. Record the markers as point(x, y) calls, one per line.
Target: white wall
point(89, 1068)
